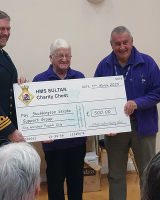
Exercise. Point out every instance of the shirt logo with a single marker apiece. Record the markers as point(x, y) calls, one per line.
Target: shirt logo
point(143, 80)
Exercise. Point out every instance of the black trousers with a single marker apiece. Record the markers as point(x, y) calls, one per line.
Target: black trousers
point(61, 163)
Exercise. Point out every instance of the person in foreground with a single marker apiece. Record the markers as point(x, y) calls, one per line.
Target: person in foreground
point(151, 180)
point(19, 172)
point(65, 157)
point(8, 76)
point(142, 82)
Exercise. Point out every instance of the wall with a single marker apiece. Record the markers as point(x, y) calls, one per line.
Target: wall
point(86, 26)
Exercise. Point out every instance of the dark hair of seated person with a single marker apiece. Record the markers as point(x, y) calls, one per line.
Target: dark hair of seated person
point(151, 180)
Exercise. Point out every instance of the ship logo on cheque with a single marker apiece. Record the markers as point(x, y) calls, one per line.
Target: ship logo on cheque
point(25, 96)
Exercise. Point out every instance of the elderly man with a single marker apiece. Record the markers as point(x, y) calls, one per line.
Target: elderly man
point(65, 157)
point(142, 82)
point(19, 172)
point(8, 76)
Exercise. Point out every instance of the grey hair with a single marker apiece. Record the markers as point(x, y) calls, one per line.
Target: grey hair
point(4, 15)
point(59, 43)
point(19, 171)
point(120, 30)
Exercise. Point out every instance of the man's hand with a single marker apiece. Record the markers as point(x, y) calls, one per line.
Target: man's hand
point(22, 80)
point(16, 136)
point(130, 107)
point(47, 141)
point(111, 134)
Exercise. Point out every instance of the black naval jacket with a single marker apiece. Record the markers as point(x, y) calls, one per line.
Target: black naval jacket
point(8, 76)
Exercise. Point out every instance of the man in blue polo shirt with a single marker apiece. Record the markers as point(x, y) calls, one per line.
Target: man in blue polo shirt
point(142, 82)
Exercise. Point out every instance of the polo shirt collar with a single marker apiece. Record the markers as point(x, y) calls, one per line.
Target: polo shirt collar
point(130, 61)
point(51, 74)
point(137, 58)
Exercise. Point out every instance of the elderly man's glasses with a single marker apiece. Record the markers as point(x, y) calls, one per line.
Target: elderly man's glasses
point(61, 56)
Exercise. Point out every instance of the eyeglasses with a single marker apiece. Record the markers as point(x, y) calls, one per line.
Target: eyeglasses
point(61, 56)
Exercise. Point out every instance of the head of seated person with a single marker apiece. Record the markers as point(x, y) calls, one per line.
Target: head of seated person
point(151, 179)
point(19, 172)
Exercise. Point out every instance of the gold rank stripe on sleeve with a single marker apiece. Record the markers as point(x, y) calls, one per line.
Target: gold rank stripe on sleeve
point(4, 122)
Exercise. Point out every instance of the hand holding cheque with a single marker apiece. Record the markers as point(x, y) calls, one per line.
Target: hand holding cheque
point(129, 108)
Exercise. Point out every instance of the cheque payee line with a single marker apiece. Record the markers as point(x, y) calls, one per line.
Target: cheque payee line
point(82, 116)
point(32, 122)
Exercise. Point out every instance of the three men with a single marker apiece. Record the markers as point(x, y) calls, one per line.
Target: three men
point(142, 83)
point(8, 76)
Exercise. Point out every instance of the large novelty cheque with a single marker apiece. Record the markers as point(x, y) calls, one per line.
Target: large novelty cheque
point(71, 108)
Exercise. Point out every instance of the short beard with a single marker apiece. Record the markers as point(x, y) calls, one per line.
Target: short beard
point(1, 46)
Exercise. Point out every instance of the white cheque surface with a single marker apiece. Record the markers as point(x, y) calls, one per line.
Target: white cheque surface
point(71, 108)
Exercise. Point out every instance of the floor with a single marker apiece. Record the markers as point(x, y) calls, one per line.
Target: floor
point(133, 191)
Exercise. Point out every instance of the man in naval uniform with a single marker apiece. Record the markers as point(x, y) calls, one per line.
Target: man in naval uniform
point(8, 76)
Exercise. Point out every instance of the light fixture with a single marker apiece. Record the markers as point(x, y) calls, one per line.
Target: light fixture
point(95, 1)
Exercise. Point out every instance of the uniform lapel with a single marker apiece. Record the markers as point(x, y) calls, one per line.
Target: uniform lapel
point(4, 61)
